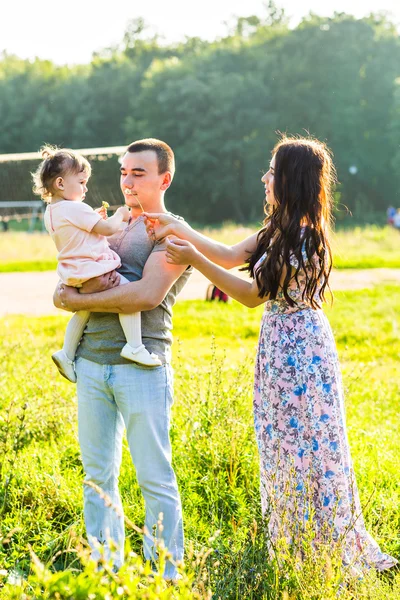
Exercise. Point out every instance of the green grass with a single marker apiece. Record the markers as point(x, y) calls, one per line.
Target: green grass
point(367, 248)
point(215, 455)
point(28, 266)
point(359, 248)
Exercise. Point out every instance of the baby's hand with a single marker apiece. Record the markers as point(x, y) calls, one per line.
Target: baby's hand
point(102, 212)
point(124, 212)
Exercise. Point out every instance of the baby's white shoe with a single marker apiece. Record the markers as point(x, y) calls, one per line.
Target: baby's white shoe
point(64, 365)
point(140, 355)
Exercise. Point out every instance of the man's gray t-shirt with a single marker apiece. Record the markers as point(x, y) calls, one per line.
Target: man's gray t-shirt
point(104, 338)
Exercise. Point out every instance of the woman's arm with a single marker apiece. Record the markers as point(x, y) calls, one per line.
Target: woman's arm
point(181, 252)
point(161, 225)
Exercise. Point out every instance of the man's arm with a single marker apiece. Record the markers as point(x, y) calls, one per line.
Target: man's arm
point(145, 294)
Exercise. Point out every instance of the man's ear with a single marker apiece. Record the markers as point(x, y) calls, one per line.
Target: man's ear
point(59, 183)
point(166, 182)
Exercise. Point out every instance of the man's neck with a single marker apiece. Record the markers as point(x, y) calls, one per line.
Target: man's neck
point(157, 206)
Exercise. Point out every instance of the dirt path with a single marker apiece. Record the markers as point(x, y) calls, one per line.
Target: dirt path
point(31, 293)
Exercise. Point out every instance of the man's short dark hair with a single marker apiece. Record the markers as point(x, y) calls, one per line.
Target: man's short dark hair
point(165, 155)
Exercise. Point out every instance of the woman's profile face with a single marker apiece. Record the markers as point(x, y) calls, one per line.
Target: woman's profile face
point(268, 181)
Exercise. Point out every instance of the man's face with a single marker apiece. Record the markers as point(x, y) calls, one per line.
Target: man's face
point(140, 179)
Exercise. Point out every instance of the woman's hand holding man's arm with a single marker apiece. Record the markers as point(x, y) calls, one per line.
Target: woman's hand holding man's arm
point(182, 252)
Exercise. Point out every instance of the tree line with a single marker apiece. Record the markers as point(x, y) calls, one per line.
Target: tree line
point(220, 105)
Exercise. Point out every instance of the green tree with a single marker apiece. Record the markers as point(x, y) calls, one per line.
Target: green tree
point(220, 105)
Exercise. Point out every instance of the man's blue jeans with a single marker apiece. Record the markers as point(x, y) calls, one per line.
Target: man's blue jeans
point(109, 398)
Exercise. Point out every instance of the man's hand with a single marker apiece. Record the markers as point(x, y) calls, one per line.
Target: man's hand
point(65, 295)
point(100, 283)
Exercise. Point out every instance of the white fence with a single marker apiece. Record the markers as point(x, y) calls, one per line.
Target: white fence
point(34, 210)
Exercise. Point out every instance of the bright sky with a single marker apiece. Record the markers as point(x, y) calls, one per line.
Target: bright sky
point(70, 30)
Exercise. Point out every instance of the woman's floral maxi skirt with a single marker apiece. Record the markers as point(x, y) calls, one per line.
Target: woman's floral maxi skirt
point(307, 477)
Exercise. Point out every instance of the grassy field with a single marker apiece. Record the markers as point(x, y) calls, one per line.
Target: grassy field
point(215, 458)
point(358, 248)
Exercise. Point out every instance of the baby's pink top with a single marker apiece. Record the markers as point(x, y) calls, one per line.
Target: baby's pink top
point(82, 254)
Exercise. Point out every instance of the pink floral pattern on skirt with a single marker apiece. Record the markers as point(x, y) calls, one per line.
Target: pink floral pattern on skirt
point(300, 427)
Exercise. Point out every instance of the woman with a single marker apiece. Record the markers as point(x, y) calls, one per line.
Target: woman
point(307, 477)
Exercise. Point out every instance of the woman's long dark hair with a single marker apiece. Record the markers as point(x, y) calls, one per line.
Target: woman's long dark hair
point(303, 180)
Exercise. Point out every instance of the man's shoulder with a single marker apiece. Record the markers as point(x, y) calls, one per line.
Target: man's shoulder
point(176, 216)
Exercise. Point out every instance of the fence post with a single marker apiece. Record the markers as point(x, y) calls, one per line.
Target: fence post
point(32, 220)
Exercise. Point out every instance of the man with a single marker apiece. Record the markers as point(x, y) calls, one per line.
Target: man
point(113, 392)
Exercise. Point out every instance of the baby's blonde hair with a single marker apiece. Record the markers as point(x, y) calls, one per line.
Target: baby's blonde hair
point(57, 162)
